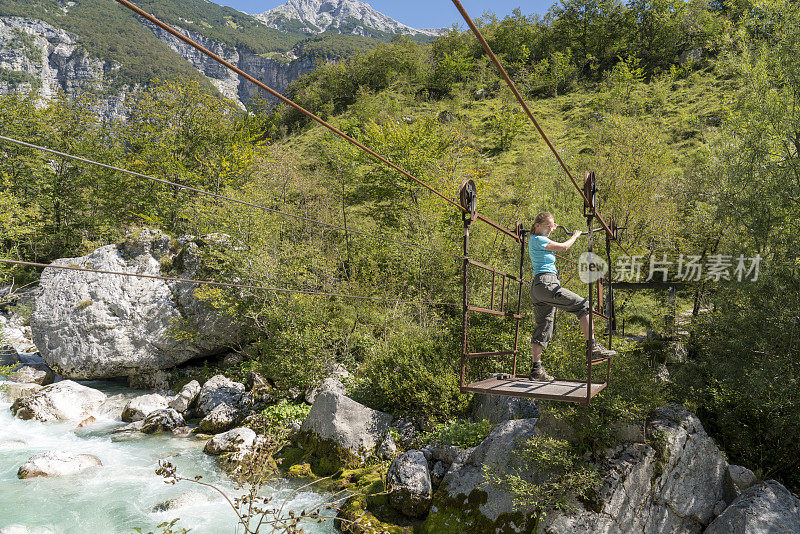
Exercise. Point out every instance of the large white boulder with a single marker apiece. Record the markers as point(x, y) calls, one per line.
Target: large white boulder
point(92, 325)
point(65, 400)
point(57, 463)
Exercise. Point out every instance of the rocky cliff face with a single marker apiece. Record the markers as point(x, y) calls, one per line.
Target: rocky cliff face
point(275, 73)
point(36, 56)
point(673, 479)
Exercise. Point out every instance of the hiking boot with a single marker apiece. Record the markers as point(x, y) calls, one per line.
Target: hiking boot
point(599, 351)
point(541, 375)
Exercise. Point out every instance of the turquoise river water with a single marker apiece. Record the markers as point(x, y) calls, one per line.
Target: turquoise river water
point(125, 491)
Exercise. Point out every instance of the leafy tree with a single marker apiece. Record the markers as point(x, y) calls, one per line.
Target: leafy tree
point(657, 36)
point(744, 373)
point(179, 132)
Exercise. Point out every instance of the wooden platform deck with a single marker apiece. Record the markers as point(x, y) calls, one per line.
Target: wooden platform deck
point(558, 390)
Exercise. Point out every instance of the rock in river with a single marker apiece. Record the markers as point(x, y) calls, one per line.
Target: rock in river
point(218, 390)
point(139, 407)
point(230, 441)
point(66, 400)
point(57, 463)
point(164, 420)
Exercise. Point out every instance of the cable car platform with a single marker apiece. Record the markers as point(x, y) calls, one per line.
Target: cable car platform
point(557, 390)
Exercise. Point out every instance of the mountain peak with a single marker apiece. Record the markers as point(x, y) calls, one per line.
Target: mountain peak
point(340, 16)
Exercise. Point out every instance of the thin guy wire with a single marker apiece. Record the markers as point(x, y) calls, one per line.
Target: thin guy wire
point(222, 284)
point(221, 197)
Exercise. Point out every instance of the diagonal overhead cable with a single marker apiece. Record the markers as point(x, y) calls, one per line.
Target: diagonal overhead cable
point(507, 78)
point(222, 197)
point(172, 31)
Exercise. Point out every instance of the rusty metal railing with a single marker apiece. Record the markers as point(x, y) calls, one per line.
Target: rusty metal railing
point(469, 200)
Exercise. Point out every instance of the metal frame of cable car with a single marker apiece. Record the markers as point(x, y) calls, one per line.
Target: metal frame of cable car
point(579, 391)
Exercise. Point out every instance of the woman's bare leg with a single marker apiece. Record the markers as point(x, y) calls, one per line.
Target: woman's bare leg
point(536, 351)
point(584, 326)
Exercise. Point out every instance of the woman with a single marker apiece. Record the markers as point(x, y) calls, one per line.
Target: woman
point(547, 293)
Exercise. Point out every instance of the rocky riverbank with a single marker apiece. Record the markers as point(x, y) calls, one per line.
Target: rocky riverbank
point(386, 473)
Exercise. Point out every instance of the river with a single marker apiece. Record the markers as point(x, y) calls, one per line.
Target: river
point(125, 492)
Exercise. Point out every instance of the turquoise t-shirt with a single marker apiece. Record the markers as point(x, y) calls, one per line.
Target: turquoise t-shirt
point(543, 261)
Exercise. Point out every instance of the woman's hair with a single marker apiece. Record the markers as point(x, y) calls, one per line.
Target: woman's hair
point(542, 217)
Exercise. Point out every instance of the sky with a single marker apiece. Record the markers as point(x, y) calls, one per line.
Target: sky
point(418, 13)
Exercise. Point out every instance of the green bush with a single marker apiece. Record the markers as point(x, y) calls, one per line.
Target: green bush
point(285, 412)
point(411, 373)
point(459, 432)
point(565, 476)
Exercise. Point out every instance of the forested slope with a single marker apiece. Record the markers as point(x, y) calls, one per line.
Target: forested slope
point(688, 112)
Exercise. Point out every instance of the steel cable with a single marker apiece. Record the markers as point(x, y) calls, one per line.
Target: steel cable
point(229, 199)
point(222, 284)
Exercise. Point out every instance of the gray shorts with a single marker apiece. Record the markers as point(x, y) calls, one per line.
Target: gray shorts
point(547, 295)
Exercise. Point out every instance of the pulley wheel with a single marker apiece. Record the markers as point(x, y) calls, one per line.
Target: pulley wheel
point(590, 190)
point(468, 196)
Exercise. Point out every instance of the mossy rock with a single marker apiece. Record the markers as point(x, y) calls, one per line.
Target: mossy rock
point(462, 514)
point(331, 457)
point(290, 456)
point(367, 480)
point(298, 463)
point(363, 514)
point(300, 471)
